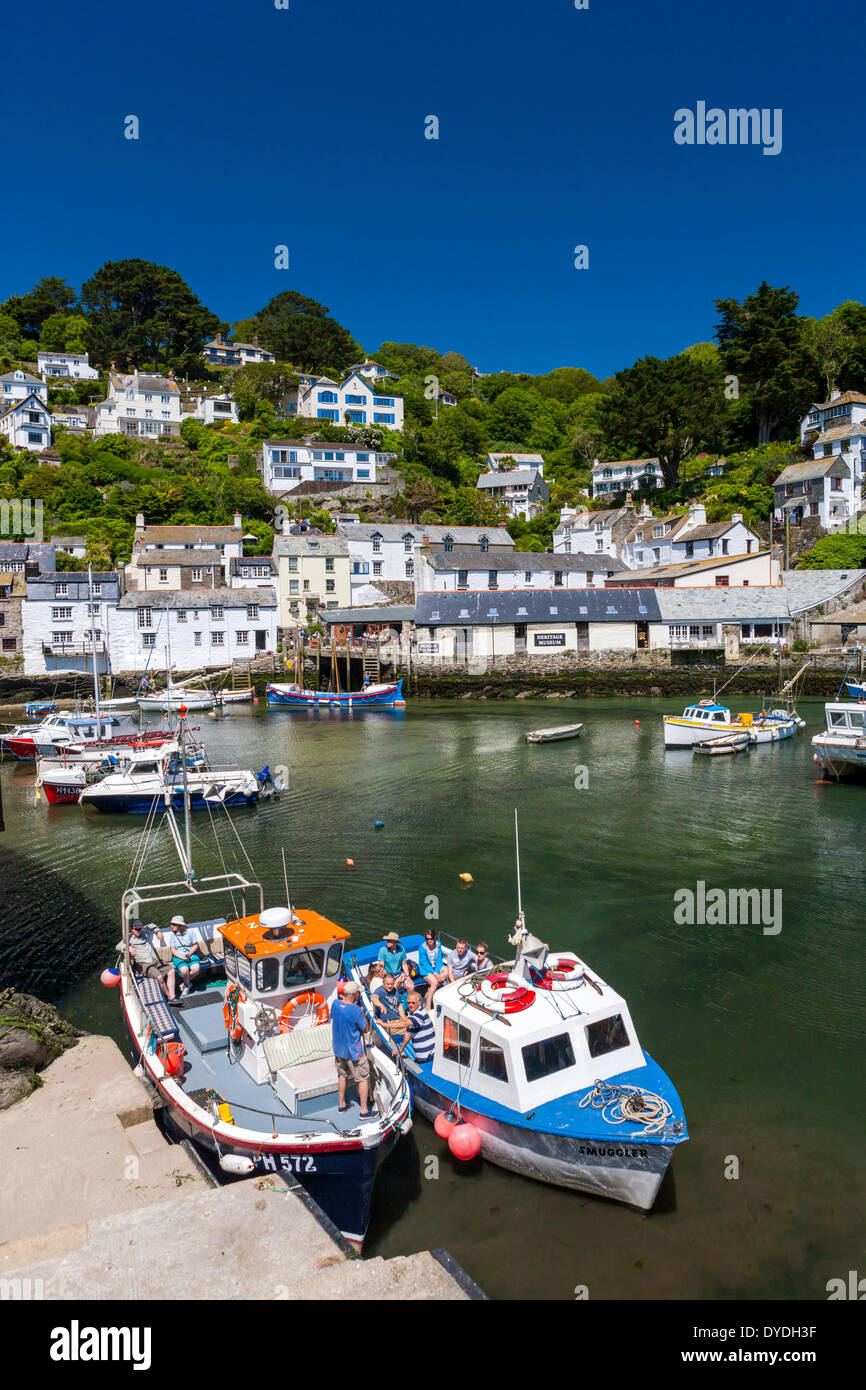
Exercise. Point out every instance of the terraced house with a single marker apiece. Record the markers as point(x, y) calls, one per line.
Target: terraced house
point(312, 571)
point(206, 630)
point(65, 620)
point(139, 404)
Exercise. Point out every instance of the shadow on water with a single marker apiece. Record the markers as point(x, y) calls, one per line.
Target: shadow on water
point(50, 934)
point(398, 1185)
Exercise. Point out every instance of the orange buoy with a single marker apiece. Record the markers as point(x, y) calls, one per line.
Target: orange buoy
point(637, 723)
point(465, 878)
point(465, 1141)
point(110, 976)
point(443, 1124)
point(350, 863)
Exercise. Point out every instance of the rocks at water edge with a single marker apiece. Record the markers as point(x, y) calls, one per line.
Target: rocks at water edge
point(32, 1035)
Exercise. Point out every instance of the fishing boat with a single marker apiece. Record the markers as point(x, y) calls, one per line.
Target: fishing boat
point(733, 743)
point(771, 725)
point(841, 749)
point(175, 698)
point(82, 730)
point(150, 779)
point(62, 779)
point(371, 695)
point(20, 739)
point(701, 723)
point(243, 1064)
point(37, 709)
point(543, 1060)
point(555, 734)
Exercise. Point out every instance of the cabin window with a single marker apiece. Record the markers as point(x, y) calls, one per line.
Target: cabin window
point(547, 1056)
point(719, 717)
point(231, 958)
point(267, 974)
point(335, 959)
point(456, 1042)
point(838, 719)
point(245, 974)
point(491, 1060)
point(606, 1035)
point(855, 718)
point(301, 967)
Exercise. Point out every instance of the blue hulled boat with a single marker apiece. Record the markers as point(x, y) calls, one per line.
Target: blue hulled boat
point(370, 696)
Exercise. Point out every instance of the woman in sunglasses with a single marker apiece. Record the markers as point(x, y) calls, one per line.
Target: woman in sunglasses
point(431, 970)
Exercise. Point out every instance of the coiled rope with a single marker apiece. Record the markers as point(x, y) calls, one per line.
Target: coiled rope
point(629, 1105)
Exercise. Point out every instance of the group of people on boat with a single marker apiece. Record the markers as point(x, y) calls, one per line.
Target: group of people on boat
point(185, 961)
point(402, 993)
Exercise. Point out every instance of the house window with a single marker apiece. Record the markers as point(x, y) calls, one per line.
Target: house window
point(96, 588)
point(492, 579)
point(148, 639)
point(722, 581)
point(462, 579)
point(599, 545)
point(293, 563)
point(448, 543)
point(181, 615)
point(242, 637)
point(9, 644)
point(690, 549)
point(196, 574)
point(377, 544)
point(293, 586)
point(484, 544)
point(145, 617)
point(329, 586)
point(557, 579)
point(377, 568)
point(196, 637)
point(61, 615)
point(252, 612)
point(724, 547)
point(217, 638)
point(163, 576)
point(527, 576)
point(410, 569)
point(329, 564)
point(59, 638)
point(217, 613)
point(61, 590)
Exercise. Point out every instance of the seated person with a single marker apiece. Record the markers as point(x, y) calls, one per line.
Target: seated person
point(375, 977)
point(460, 961)
point(482, 957)
point(419, 1037)
point(393, 957)
point(147, 961)
point(431, 970)
point(388, 1003)
point(185, 958)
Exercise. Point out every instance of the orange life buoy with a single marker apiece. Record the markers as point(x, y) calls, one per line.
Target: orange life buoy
point(230, 1013)
point(317, 1010)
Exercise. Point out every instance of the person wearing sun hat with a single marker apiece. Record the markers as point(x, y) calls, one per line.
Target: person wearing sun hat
point(184, 956)
point(396, 963)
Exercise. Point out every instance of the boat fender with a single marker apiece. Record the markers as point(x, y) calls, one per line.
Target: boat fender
point(110, 976)
point(443, 1124)
point(465, 878)
point(317, 1008)
point(464, 1141)
point(237, 1163)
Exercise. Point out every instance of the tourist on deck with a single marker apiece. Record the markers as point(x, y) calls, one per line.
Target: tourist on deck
point(185, 958)
point(394, 958)
point(420, 1036)
point(482, 957)
point(431, 969)
point(146, 959)
point(460, 961)
point(389, 1003)
point(349, 1025)
point(375, 977)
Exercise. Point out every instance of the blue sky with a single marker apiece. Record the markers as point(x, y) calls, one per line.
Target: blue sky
point(305, 127)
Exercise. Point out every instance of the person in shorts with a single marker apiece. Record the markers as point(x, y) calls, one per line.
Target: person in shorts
point(349, 1025)
point(147, 961)
point(184, 956)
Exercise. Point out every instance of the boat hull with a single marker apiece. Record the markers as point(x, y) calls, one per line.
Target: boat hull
point(21, 748)
point(142, 803)
point(554, 735)
point(683, 733)
point(772, 733)
point(839, 760)
point(377, 696)
point(62, 793)
point(628, 1171)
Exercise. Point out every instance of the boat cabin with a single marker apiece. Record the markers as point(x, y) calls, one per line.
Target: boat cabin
point(562, 1041)
point(846, 717)
point(708, 713)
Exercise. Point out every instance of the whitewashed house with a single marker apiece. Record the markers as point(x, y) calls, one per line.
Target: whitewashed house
point(286, 463)
point(139, 404)
point(199, 554)
point(581, 532)
point(211, 410)
point(253, 572)
point(843, 408)
point(451, 572)
point(219, 352)
point(26, 423)
point(387, 551)
point(674, 539)
point(827, 489)
point(72, 365)
point(353, 401)
point(627, 475)
point(18, 385)
point(522, 491)
point(78, 419)
point(373, 371)
point(71, 545)
point(56, 618)
point(207, 630)
point(507, 463)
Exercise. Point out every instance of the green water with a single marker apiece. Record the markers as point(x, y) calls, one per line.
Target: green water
point(762, 1034)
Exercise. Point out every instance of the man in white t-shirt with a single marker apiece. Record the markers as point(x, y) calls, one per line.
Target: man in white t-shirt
point(460, 961)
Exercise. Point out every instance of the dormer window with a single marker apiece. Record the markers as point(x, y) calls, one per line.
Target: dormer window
point(408, 543)
point(484, 544)
point(448, 543)
point(377, 544)
point(658, 532)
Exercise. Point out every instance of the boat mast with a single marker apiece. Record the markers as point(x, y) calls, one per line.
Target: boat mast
point(186, 806)
point(93, 647)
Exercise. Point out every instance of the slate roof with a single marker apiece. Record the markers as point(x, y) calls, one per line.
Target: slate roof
point(585, 521)
point(540, 561)
point(598, 468)
point(159, 535)
point(143, 381)
point(685, 567)
point(310, 545)
point(395, 531)
point(673, 522)
point(839, 432)
point(532, 606)
point(201, 598)
point(848, 397)
point(816, 468)
point(808, 588)
point(372, 613)
point(237, 562)
point(725, 605)
point(189, 559)
point(517, 477)
point(532, 460)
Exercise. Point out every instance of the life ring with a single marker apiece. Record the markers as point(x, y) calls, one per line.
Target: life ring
point(317, 1010)
point(506, 994)
point(561, 971)
point(231, 999)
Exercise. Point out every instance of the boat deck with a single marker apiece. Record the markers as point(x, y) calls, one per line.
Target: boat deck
point(208, 1066)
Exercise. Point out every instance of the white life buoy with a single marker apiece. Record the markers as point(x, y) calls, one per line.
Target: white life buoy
point(561, 971)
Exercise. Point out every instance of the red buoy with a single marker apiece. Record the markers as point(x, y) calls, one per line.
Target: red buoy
point(110, 976)
point(637, 723)
point(443, 1125)
point(465, 1141)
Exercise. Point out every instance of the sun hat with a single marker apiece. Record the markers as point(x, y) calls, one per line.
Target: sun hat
point(392, 936)
point(178, 921)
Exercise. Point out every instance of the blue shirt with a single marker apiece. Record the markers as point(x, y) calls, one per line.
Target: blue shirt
point(392, 960)
point(349, 1022)
point(428, 964)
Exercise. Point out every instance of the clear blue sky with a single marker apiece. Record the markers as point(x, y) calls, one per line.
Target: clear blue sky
point(306, 127)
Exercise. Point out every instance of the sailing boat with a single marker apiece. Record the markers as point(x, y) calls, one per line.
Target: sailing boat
point(542, 1059)
point(244, 1063)
point(173, 697)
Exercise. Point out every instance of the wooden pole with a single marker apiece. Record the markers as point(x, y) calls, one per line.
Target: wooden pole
point(348, 665)
point(334, 667)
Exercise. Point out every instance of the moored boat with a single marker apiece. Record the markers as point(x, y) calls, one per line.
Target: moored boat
point(700, 723)
point(154, 778)
point(369, 696)
point(553, 735)
point(733, 743)
point(841, 749)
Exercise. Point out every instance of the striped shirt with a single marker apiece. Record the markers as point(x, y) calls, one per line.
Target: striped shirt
point(422, 1034)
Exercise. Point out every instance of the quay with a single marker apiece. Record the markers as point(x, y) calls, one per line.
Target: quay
point(96, 1204)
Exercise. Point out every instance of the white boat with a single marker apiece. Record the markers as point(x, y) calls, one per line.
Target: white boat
point(841, 749)
point(770, 726)
point(700, 723)
point(153, 779)
point(174, 698)
point(733, 743)
point(553, 735)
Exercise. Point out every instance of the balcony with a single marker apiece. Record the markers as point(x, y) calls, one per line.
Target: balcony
point(74, 648)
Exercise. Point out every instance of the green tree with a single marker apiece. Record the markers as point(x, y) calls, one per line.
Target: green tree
point(299, 330)
point(262, 381)
point(761, 342)
point(140, 313)
point(662, 408)
point(52, 295)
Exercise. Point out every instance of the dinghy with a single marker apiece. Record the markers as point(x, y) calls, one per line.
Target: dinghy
point(554, 734)
point(733, 743)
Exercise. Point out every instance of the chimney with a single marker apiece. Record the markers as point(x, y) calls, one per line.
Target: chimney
point(737, 516)
point(238, 521)
point(139, 521)
point(835, 394)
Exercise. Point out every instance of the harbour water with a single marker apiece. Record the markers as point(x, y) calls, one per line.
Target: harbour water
point(761, 1031)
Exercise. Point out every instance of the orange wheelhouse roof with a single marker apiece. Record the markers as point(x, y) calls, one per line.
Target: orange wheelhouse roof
point(309, 929)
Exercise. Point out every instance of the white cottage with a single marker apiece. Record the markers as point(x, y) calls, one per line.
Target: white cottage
point(387, 550)
point(74, 366)
point(139, 404)
point(207, 630)
point(353, 401)
point(26, 423)
point(57, 614)
point(18, 386)
point(286, 463)
point(438, 571)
